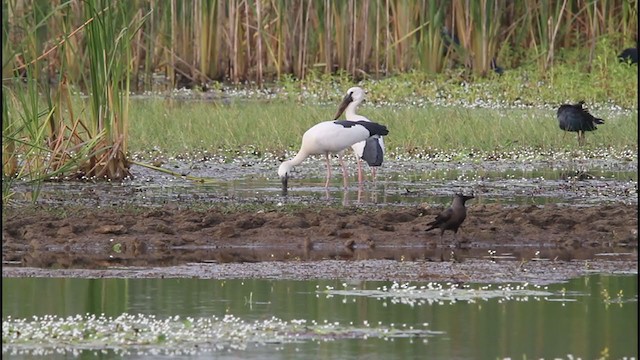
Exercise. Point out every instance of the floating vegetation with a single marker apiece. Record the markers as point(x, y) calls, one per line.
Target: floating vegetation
point(147, 335)
point(441, 294)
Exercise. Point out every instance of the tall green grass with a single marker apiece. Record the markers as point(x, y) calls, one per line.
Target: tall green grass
point(194, 42)
point(276, 126)
point(48, 131)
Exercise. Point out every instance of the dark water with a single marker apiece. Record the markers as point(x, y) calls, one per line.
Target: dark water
point(586, 318)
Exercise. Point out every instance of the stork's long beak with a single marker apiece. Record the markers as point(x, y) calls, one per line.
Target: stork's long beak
point(343, 105)
point(285, 182)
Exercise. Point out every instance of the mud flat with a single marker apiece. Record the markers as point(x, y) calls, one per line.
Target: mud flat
point(496, 243)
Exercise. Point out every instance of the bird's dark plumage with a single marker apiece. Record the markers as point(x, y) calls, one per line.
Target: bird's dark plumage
point(629, 54)
point(451, 218)
point(497, 68)
point(448, 38)
point(576, 118)
point(372, 152)
point(374, 128)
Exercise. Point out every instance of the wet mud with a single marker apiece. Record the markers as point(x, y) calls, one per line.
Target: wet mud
point(389, 243)
point(236, 224)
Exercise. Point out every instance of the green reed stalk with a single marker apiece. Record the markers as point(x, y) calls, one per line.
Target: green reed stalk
point(264, 40)
point(430, 43)
point(549, 22)
point(27, 131)
point(628, 19)
point(109, 38)
point(9, 156)
point(33, 122)
point(178, 25)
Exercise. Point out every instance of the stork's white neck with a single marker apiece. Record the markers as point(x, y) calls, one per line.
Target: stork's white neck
point(286, 166)
point(350, 112)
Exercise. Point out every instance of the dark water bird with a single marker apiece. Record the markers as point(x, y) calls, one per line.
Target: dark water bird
point(451, 218)
point(370, 150)
point(576, 118)
point(330, 137)
point(449, 39)
point(496, 68)
point(629, 55)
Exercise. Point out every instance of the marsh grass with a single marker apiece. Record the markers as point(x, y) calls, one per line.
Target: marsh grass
point(194, 42)
point(424, 112)
point(183, 127)
point(48, 130)
point(277, 126)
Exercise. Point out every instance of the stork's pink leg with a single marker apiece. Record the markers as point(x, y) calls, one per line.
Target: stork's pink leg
point(359, 172)
point(344, 171)
point(326, 184)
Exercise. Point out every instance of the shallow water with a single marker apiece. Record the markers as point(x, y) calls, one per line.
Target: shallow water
point(583, 318)
point(399, 182)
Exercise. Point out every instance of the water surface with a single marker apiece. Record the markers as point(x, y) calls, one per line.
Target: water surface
point(585, 317)
point(398, 183)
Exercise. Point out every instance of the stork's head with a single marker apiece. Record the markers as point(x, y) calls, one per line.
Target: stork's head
point(354, 95)
point(283, 173)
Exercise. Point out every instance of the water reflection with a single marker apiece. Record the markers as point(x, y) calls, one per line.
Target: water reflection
point(179, 255)
point(398, 183)
point(585, 317)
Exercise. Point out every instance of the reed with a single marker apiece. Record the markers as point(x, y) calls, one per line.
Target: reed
point(431, 15)
point(197, 42)
point(36, 147)
point(49, 132)
point(108, 41)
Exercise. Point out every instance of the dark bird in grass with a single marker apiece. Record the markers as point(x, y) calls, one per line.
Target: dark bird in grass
point(497, 68)
point(451, 218)
point(576, 118)
point(449, 40)
point(629, 55)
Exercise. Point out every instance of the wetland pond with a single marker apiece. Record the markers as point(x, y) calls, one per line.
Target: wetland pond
point(584, 318)
point(545, 266)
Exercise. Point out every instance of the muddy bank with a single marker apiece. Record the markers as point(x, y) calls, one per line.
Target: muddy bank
point(93, 238)
point(534, 271)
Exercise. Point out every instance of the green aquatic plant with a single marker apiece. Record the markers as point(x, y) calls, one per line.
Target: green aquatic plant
point(441, 294)
point(175, 335)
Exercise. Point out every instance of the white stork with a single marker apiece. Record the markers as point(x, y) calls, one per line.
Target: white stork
point(370, 150)
point(330, 137)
